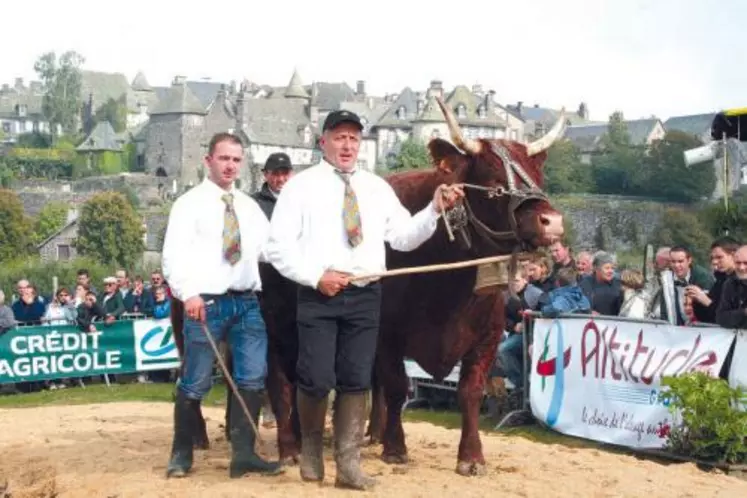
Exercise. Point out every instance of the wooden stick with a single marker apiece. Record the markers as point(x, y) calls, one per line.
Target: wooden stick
point(433, 268)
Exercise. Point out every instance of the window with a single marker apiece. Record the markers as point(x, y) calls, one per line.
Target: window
point(21, 110)
point(63, 252)
point(461, 111)
point(6, 127)
point(481, 112)
point(401, 113)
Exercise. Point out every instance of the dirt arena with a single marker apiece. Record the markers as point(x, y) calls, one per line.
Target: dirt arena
point(120, 450)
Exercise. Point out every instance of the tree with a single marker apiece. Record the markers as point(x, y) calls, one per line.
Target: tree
point(114, 111)
point(719, 220)
point(15, 227)
point(51, 218)
point(564, 172)
point(679, 227)
point(63, 84)
point(413, 154)
point(110, 230)
point(670, 178)
point(618, 169)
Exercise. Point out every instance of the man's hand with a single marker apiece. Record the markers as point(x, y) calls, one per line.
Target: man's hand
point(697, 294)
point(333, 282)
point(446, 196)
point(194, 308)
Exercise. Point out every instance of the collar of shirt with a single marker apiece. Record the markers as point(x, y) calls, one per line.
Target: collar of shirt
point(333, 168)
point(212, 188)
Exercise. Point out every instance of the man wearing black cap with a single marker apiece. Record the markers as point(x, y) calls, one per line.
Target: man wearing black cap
point(277, 170)
point(331, 222)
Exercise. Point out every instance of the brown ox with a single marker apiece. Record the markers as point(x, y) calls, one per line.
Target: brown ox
point(437, 319)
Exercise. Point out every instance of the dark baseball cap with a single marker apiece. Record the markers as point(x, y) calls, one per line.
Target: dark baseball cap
point(336, 118)
point(276, 161)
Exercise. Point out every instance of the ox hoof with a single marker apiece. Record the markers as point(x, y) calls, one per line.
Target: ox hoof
point(395, 459)
point(470, 469)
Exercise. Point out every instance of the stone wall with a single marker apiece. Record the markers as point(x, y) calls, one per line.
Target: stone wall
point(614, 223)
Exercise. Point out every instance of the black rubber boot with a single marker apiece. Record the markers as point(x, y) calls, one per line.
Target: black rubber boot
point(244, 458)
point(311, 413)
point(349, 424)
point(185, 425)
point(200, 438)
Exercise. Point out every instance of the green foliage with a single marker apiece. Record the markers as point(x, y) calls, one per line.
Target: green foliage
point(110, 230)
point(62, 82)
point(114, 111)
point(51, 218)
point(618, 169)
point(34, 140)
point(41, 273)
point(680, 227)
point(711, 426)
point(109, 162)
point(564, 172)
point(27, 168)
point(42, 154)
point(413, 154)
point(15, 227)
point(669, 178)
point(129, 158)
point(131, 195)
point(734, 219)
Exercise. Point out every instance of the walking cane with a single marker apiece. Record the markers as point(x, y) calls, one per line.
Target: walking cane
point(231, 383)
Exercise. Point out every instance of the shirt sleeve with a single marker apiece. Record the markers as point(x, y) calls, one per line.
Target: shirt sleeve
point(406, 232)
point(175, 255)
point(283, 248)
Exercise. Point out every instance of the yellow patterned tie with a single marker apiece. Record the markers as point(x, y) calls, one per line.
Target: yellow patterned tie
point(231, 235)
point(350, 213)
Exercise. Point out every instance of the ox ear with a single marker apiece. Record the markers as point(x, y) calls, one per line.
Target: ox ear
point(445, 156)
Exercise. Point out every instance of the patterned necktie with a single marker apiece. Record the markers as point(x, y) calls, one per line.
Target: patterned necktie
point(350, 213)
point(231, 235)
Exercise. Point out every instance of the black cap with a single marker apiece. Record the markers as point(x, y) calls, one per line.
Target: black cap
point(336, 118)
point(276, 161)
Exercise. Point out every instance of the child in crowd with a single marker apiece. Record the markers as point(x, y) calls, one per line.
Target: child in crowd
point(635, 296)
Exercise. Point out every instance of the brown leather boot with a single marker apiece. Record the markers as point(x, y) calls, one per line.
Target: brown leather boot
point(349, 424)
point(311, 412)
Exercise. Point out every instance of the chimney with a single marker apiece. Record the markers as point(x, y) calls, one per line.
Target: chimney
point(179, 80)
point(477, 89)
point(6, 88)
point(313, 111)
point(360, 87)
point(19, 84)
point(519, 107)
point(232, 87)
point(436, 89)
point(240, 99)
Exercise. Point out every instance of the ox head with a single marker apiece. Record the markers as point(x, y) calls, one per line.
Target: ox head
point(505, 207)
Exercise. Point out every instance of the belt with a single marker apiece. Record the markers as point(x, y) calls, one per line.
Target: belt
point(232, 293)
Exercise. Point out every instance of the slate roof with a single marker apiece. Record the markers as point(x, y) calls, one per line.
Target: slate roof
point(587, 137)
point(295, 88)
point(407, 99)
point(32, 101)
point(276, 122)
point(178, 99)
point(105, 86)
point(694, 124)
point(329, 96)
point(370, 115)
point(140, 82)
point(204, 91)
point(102, 138)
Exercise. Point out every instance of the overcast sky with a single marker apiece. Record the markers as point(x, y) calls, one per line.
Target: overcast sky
point(644, 57)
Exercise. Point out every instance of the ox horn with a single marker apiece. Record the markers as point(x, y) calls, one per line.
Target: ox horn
point(468, 145)
point(547, 140)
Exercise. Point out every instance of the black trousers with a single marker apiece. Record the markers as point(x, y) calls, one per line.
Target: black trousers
point(337, 339)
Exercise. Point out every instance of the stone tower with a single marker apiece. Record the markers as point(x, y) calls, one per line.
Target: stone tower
point(174, 140)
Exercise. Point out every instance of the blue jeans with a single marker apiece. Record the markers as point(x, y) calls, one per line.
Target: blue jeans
point(510, 352)
point(238, 316)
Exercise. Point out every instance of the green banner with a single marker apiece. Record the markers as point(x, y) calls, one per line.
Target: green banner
point(56, 352)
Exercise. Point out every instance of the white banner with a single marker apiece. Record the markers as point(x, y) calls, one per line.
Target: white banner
point(600, 379)
point(738, 372)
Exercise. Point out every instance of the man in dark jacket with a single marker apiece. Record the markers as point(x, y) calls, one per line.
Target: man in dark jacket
point(705, 304)
point(279, 311)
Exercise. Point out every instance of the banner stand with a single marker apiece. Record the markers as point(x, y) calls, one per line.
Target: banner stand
point(523, 416)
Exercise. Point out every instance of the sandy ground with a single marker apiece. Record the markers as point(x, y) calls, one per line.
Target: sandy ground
point(121, 450)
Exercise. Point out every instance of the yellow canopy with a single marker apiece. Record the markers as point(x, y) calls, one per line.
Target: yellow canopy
point(739, 111)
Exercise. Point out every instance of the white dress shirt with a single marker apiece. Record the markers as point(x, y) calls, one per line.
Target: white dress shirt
point(307, 231)
point(193, 261)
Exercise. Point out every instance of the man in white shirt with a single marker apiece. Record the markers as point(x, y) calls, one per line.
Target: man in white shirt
point(215, 237)
point(330, 222)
